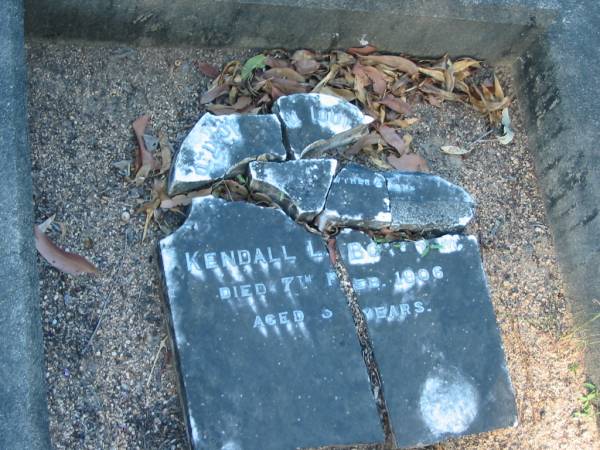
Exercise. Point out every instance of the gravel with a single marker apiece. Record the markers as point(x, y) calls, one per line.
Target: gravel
point(111, 379)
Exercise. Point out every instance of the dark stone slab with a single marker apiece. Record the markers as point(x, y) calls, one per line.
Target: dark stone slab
point(308, 118)
point(358, 199)
point(299, 187)
point(23, 409)
point(434, 335)
point(266, 347)
point(220, 145)
point(427, 203)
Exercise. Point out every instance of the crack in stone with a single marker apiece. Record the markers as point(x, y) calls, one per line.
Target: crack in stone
point(362, 332)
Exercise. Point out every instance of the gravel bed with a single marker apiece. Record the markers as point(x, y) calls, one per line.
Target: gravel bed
point(110, 374)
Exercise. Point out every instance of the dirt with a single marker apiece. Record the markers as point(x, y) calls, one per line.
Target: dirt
point(111, 379)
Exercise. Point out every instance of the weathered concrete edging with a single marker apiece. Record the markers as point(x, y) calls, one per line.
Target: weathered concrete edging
point(23, 410)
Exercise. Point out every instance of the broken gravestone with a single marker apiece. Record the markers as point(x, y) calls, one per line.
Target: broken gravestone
point(218, 146)
point(358, 198)
point(434, 335)
point(265, 343)
point(426, 203)
point(299, 187)
point(309, 118)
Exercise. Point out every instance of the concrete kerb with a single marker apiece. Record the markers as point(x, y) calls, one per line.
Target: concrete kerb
point(23, 410)
point(548, 42)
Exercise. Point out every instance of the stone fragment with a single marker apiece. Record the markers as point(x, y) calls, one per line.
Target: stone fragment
point(219, 146)
point(427, 203)
point(300, 187)
point(308, 118)
point(358, 199)
point(434, 335)
point(265, 344)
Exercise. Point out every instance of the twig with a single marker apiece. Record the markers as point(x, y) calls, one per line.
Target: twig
point(160, 347)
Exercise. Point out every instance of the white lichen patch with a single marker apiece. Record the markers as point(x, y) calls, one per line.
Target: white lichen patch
point(449, 402)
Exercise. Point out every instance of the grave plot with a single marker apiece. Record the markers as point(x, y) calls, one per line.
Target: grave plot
point(111, 376)
point(265, 339)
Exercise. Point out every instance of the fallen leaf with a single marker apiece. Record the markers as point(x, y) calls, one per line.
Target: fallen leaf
point(397, 62)
point(46, 223)
point(455, 150)
point(183, 199)
point(256, 62)
point(395, 104)
point(221, 110)
point(379, 81)
point(288, 86)
point(307, 66)
point(436, 74)
point(207, 69)
point(214, 93)
point(284, 72)
point(410, 162)
point(144, 162)
point(276, 62)
point(362, 51)
point(165, 152)
point(346, 94)
point(57, 257)
point(402, 123)
point(393, 139)
point(372, 138)
point(463, 64)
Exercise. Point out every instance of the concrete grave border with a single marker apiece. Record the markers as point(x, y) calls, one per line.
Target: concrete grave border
point(549, 44)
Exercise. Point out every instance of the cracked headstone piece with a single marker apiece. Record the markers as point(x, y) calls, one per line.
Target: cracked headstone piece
point(310, 118)
point(220, 146)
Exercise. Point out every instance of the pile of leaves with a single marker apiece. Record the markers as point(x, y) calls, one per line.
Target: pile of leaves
point(383, 86)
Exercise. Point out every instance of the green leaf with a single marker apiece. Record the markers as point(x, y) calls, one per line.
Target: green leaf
point(256, 62)
point(241, 179)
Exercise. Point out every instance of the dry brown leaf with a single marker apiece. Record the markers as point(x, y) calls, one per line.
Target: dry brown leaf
point(242, 103)
point(397, 62)
point(207, 69)
point(144, 161)
point(165, 152)
point(372, 138)
point(411, 162)
point(284, 72)
point(392, 138)
point(183, 199)
point(333, 70)
point(379, 81)
point(362, 51)
point(395, 104)
point(463, 64)
point(271, 61)
point(307, 66)
point(346, 94)
point(57, 257)
point(359, 90)
point(221, 110)
point(498, 91)
point(46, 223)
point(449, 79)
point(288, 86)
point(402, 123)
point(436, 74)
point(214, 93)
point(441, 93)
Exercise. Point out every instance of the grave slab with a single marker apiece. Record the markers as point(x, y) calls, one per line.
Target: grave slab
point(218, 146)
point(308, 118)
point(300, 187)
point(427, 203)
point(358, 198)
point(434, 335)
point(265, 344)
